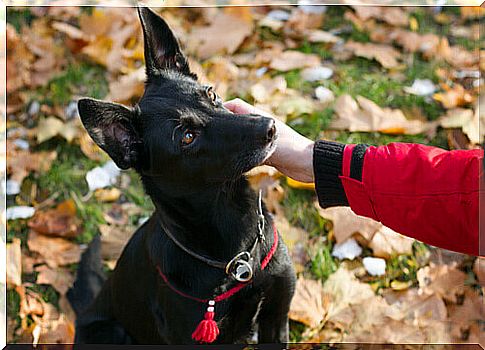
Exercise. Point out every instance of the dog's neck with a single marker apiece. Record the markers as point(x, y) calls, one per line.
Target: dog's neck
point(218, 221)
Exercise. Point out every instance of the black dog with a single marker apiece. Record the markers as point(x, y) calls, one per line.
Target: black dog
point(210, 241)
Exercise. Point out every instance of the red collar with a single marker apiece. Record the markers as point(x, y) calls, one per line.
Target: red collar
point(207, 330)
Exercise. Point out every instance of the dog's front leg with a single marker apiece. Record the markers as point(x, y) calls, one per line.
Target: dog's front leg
point(273, 316)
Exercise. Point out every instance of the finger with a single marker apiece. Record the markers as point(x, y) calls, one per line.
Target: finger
point(238, 106)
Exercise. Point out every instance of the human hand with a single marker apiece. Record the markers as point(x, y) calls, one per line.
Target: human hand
point(294, 153)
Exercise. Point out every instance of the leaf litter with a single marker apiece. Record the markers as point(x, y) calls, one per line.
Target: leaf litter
point(286, 61)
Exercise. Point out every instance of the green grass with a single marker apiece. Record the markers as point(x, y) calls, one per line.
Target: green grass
point(296, 331)
point(322, 263)
point(403, 268)
point(83, 79)
point(19, 17)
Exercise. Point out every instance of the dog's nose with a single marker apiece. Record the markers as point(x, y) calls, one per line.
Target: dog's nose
point(271, 131)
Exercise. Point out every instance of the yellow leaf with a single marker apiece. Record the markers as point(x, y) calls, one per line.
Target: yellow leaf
point(413, 24)
point(399, 285)
point(300, 185)
point(107, 195)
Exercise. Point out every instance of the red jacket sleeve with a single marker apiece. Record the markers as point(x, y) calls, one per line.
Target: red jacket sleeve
point(423, 192)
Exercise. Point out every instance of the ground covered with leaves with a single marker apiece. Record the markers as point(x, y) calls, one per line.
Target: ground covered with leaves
point(351, 74)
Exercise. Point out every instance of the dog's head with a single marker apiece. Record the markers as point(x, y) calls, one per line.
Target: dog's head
point(179, 133)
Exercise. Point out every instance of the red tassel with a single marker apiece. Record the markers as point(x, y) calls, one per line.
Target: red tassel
point(207, 330)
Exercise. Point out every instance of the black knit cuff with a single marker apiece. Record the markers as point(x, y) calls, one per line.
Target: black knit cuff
point(327, 166)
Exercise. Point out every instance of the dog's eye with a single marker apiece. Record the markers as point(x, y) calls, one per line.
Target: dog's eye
point(188, 137)
point(212, 95)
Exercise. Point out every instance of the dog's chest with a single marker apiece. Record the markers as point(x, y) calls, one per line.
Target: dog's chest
point(177, 317)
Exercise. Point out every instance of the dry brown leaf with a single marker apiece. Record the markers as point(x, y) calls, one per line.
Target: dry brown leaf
point(221, 73)
point(50, 57)
point(346, 223)
point(295, 239)
point(467, 120)
point(60, 278)
point(387, 242)
point(127, 86)
point(22, 162)
point(344, 290)
point(454, 97)
point(59, 331)
point(393, 15)
point(320, 36)
point(19, 59)
point(365, 115)
point(51, 126)
point(113, 240)
point(308, 304)
point(386, 55)
point(263, 90)
point(301, 21)
point(89, 148)
point(445, 281)
point(479, 269)
point(98, 49)
point(289, 60)
point(60, 221)
point(467, 318)
point(472, 12)
point(208, 41)
point(14, 263)
point(54, 251)
point(70, 31)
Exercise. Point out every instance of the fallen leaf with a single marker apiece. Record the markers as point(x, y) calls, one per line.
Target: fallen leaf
point(54, 251)
point(295, 239)
point(127, 86)
point(454, 97)
point(60, 278)
point(320, 36)
point(60, 221)
point(300, 185)
point(107, 195)
point(465, 119)
point(387, 242)
point(19, 59)
point(89, 148)
point(443, 280)
point(51, 126)
point(113, 240)
point(344, 290)
point(14, 263)
point(308, 304)
point(289, 60)
point(472, 12)
point(346, 223)
point(202, 40)
point(393, 15)
point(479, 270)
point(365, 115)
point(71, 31)
point(387, 56)
point(22, 162)
point(264, 89)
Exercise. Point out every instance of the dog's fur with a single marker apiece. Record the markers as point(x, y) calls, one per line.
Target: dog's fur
point(201, 196)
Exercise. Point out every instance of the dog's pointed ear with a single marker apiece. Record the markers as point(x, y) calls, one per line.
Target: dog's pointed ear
point(162, 50)
point(112, 127)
